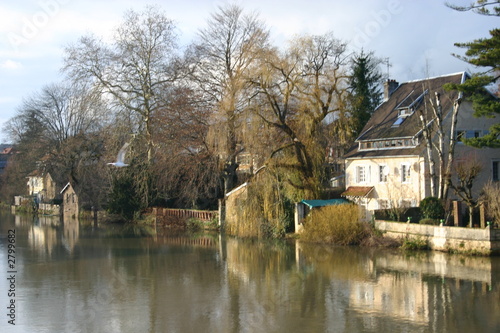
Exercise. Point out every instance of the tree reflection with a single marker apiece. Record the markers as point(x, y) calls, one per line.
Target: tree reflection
point(114, 280)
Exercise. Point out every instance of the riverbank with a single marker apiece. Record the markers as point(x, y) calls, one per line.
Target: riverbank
point(473, 241)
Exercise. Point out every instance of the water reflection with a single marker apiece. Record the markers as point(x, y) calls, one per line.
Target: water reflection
point(76, 278)
point(70, 234)
point(429, 291)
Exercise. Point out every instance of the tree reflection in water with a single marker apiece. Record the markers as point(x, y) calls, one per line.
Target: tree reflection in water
point(77, 278)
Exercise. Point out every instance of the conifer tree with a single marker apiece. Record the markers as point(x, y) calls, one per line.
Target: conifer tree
point(365, 88)
point(483, 53)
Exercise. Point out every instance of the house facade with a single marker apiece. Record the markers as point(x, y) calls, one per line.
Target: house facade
point(41, 186)
point(388, 167)
point(70, 202)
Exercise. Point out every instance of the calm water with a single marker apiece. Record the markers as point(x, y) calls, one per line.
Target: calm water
point(70, 277)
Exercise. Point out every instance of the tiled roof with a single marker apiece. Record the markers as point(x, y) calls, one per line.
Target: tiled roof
point(7, 150)
point(357, 191)
point(382, 123)
point(35, 173)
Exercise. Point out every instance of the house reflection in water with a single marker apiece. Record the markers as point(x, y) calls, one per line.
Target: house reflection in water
point(403, 296)
point(417, 289)
point(71, 232)
point(42, 235)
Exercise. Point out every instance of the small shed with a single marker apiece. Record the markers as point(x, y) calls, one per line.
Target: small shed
point(70, 202)
point(303, 208)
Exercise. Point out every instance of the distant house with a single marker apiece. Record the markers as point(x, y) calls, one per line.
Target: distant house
point(6, 152)
point(70, 202)
point(41, 186)
point(388, 165)
point(233, 206)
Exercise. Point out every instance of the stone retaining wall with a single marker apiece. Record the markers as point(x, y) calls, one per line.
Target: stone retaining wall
point(451, 239)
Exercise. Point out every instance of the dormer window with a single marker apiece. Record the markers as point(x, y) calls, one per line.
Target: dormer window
point(404, 112)
point(408, 106)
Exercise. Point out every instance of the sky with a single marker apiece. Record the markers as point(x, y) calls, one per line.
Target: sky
point(417, 37)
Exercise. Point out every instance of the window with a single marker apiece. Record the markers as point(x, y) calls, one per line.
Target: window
point(469, 134)
point(405, 173)
point(472, 134)
point(388, 144)
point(383, 204)
point(398, 122)
point(361, 174)
point(406, 203)
point(496, 171)
point(383, 171)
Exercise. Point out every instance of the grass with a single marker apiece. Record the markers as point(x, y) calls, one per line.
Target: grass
point(414, 244)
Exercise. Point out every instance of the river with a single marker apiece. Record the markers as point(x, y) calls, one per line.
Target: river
point(73, 277)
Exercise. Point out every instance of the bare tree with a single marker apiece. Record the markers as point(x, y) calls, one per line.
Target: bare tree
point(467, 169)
point(58, 130)
point(226, 51)
point(187, 166)
point(132, 69)
point(439, 139)
point(490, 195)
point(67, 110)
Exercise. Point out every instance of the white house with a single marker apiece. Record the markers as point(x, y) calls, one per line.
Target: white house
point(41, 186)
point(388, 164)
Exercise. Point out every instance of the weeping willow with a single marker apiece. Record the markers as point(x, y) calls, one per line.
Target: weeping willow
point(261, 210)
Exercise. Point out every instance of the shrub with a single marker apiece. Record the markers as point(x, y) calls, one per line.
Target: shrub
point(431, 208)
point(337, 224)
point(123, 198)
point(194, 224)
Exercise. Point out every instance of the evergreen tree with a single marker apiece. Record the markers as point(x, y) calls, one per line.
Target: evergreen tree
point(123, 198)
point(483, 7)
point(483, 53)
point(364, 84)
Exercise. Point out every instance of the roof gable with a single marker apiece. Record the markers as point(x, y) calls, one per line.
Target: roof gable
point(395, 124)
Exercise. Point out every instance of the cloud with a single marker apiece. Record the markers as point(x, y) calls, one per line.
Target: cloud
point(11, 65)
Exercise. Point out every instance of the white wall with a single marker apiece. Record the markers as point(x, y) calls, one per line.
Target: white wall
point(392, 189)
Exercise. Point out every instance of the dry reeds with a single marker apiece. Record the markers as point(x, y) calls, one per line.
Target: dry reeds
point(338, 224)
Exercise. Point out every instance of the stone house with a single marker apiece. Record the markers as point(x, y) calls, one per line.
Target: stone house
point(69, 202)
point(388, 165)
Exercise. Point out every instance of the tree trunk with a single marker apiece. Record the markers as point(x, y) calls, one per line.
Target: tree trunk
point(430, 158)
point(451, 149)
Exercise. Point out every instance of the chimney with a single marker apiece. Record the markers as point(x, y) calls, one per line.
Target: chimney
point(389, 87)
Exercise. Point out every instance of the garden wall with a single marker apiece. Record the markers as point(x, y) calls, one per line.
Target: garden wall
point(49, 209)
point(451, 239)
